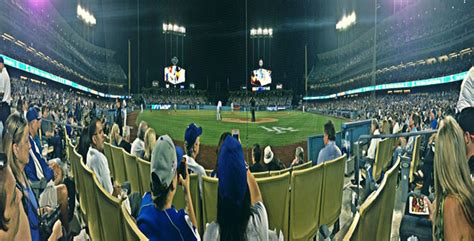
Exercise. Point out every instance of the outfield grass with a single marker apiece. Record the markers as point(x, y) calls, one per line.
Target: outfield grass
point(291, 127)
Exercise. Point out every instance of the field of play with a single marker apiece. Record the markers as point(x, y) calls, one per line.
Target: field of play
point(272, 128)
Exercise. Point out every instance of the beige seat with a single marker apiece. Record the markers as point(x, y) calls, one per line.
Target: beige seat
point(305, 202)
point(144, 172)
point(132, 171)
point(333, 184)
point(303, 166)
point(110, 160)
point(209, 200)
point(260, 174)
point(119, 165)
point(388, 200)
point(92, 208)
point(415, 158)
point(279, 172)
point(76, 161)
point(353, 229)
point(132, 232)
point(179, 201)
point(276, 198)
point(110, 213)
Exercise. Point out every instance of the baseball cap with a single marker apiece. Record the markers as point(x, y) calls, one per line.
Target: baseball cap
point(1, 60)
point(179, 156)
point(163, 161)
point(466, 120)
point(32, 114)
point(232, 172)
point(192, 133)
point(268, 155)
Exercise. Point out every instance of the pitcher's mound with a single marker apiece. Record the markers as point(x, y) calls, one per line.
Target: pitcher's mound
point(244, 120)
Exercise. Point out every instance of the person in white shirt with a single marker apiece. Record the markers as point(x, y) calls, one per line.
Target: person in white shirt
point(466, 95)
point(192, 143)
point(5, 93)
point(219, 107)
point(138, 145)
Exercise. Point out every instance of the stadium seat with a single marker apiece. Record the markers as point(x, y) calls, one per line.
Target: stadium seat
point(388, 199)
point(279, 172)
point(92, 208)
point(119, 165)
point(110, 160)
point(76, 161)
point(209, 200)
point(144, 172)
point(132, 171)
point(276, 197)
point(260, 174)
point(179, 201)
point(208, 172)
point(333, 184)
point(353, 229)
point(110, 217)
point(415, 158)
point(305, 202)
point(132, 233)
point(380, 155)
point(303, 166)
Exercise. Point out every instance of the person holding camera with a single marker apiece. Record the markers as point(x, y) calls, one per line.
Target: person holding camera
point(158, 219)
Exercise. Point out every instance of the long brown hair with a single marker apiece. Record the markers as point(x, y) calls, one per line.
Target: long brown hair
point(451, 172)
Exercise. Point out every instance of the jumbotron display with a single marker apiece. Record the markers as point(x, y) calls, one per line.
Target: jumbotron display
point(175, 75)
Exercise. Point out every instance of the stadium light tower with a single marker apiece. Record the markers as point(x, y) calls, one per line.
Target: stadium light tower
point(346, 21)
point(178, 31)
point(263, 34)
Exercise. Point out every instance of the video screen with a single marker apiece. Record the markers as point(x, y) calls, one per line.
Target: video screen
point(175, 75)
point(261, 77)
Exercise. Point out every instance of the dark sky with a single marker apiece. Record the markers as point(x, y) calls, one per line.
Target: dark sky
point(214, 48)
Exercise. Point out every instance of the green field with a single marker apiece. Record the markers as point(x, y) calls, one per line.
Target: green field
point(291, 127)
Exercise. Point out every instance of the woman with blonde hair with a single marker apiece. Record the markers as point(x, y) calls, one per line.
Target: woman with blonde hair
point(117, 140)
point(453, 212)
point(150, 140)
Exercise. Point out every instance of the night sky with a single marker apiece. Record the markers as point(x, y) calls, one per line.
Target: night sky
point(214, 48)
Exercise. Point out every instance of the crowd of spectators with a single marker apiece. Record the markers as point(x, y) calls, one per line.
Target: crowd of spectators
point(175, 96)
point(264, 98)
point(54, 46)
point(415, 34)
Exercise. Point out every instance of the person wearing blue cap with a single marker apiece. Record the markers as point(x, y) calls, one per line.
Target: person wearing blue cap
point(158, 219)
point(192, 143)
point(241, 214)
point(5, 93)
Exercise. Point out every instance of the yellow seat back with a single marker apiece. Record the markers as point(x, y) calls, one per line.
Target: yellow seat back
point(110, 160)
point(351, 234)
point(209, 199)
point(305, 202)
point(333, 184)
point(415, 158)
point(110, 213)
point(276, 198)
point(132, 171)
point(388, 200)
point(132, 232)
point(303, 166)
point(92, 208)
point(119, 164)
point(144, 172)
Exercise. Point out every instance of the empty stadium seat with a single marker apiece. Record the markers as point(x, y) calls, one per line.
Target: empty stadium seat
point(92, 208)
point(279, 172)
point(110, 160)
point(388, 198)
point(276, 198)
point(110, 213)
point(305, 202)
point(415, 158)
point(353, 229)
point(144, 172)
point(132, 232)
point(76, 161)
point(333, 184)
point(119, 164)
point(209, 199)
point(132, 171)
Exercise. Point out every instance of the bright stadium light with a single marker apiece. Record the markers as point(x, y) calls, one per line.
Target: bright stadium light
point(85, 15)
point(346, 21)
point(170, 28)
point(261, 33)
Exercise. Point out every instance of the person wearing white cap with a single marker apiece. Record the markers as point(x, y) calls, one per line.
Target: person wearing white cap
point(158, 219)
point(271, 162)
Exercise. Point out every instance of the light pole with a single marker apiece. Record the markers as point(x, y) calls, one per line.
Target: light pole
point(179, 32)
